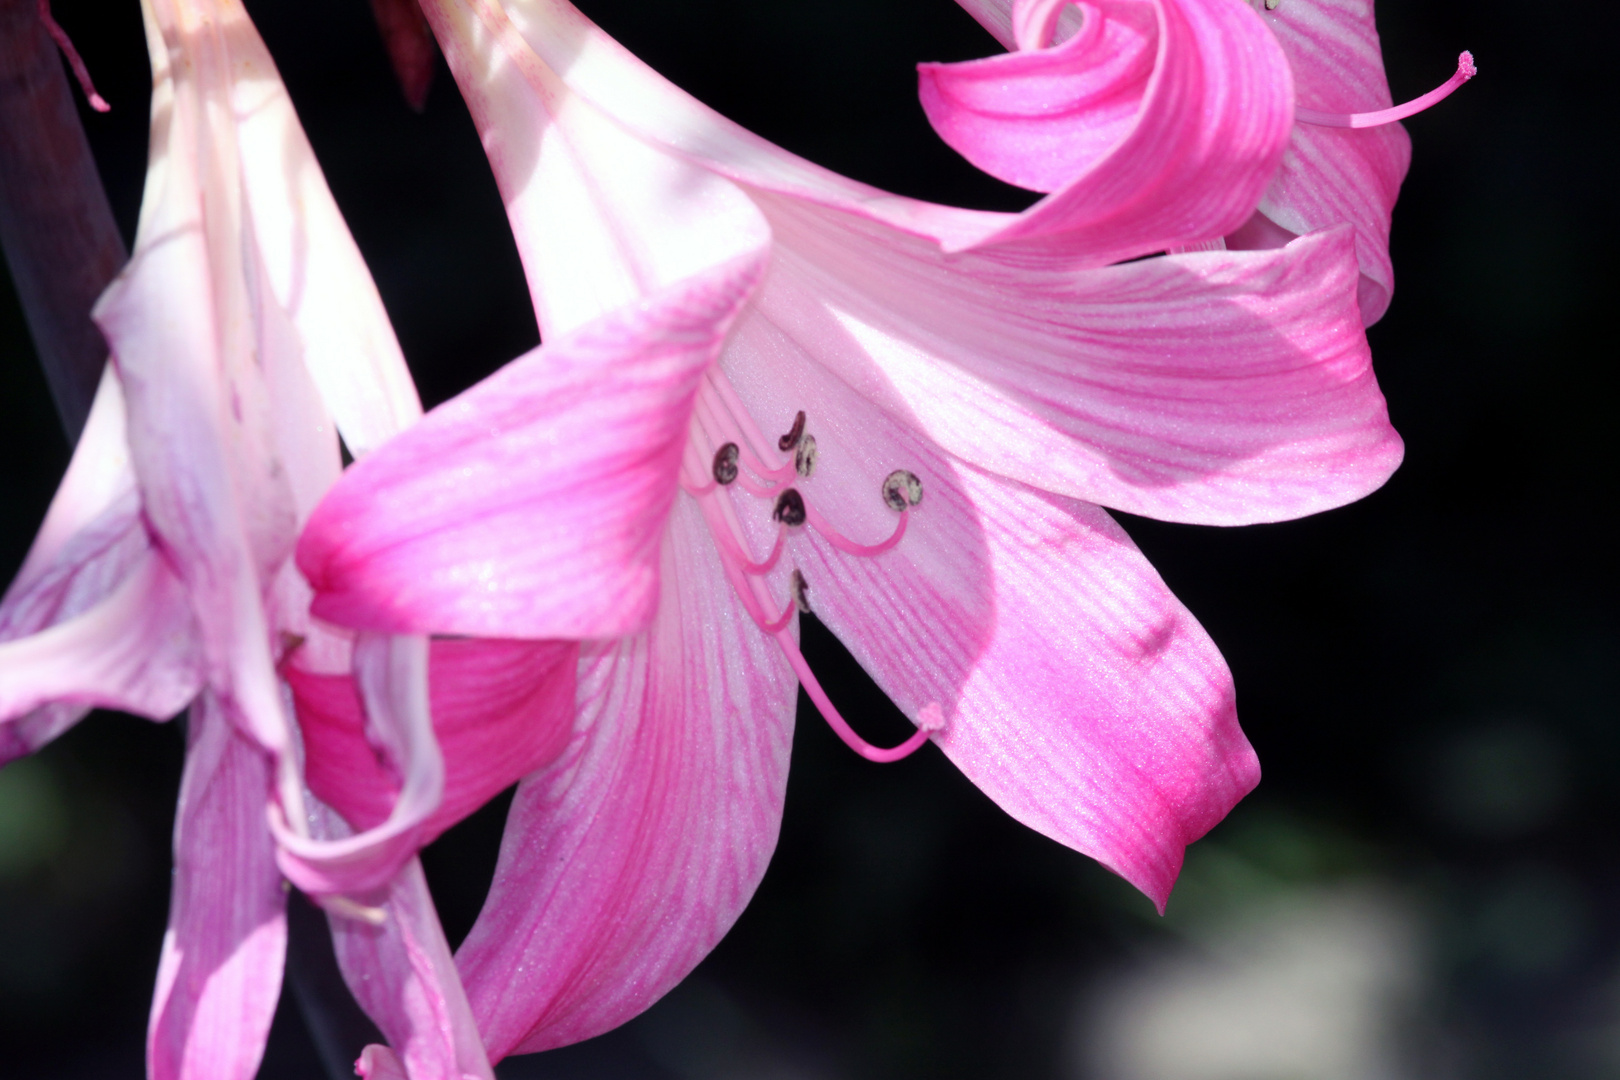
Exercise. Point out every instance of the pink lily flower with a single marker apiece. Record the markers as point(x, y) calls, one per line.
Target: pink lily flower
point(1047, 115)
point(245, 335)
point(959, 390)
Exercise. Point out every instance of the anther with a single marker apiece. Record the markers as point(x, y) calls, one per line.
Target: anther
point(804, 458)
point(725, 464)
point(1465, 71)
point(791, 439)
point(1271, 5)
point(801, 592)
point(901, 489)
point(789, 508)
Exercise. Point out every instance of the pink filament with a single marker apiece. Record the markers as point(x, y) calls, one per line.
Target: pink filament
point(1465, 71)
point(850, 547)
point(840, 726)
point(80, 72)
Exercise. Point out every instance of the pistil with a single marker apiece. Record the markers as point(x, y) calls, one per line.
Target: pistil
point(1465, 71)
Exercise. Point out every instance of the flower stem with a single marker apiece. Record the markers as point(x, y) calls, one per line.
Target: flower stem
point(56, 227)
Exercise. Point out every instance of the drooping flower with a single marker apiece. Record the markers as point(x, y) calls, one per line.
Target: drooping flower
point(1029, 117)
point(245, 334)
point(958, 390)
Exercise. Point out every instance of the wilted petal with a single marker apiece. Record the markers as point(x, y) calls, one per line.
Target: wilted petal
point(401, 972)
point(501, 709)
point(626, 860)
point(1149, 136)
point(533, 504)
point(1074, 689)
point(220, 973)
point(1218, 388)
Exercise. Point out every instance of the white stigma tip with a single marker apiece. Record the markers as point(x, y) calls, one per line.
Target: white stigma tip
point(931, 718)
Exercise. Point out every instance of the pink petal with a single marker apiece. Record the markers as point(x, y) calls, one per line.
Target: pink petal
point(402, 974)
point(501, 709)
point(1219, 388)
point(533, 504)
point(1331, 175)
point(1075, 690)
point(627, 859)
point(136, 650)
point(220, 973)
point(392, 673)
point(1142, 151)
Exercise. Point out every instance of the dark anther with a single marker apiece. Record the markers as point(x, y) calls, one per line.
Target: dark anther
point(725, 464)
point(902, 489)
point(804, 458)
point(801, 592)
point(789, 507)
point(791, 439)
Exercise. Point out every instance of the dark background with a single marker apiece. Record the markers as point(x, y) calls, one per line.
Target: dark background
point(1425, 883)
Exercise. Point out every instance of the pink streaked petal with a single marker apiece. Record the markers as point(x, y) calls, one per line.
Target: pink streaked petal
point(312, 269)
point(1074, 688)
point(1041, 118)
point(403, 975)
point(501, 709)
point(533, 504)
point(220, 972)
point(136, 650)
point(98, 478)
point(1218, 388)
point(601, 218)
point(1187, 165)
point(392, 673)
point(1332, 175)
point(626, 860)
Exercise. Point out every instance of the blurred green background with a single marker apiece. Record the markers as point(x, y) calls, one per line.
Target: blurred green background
point(1425, 884)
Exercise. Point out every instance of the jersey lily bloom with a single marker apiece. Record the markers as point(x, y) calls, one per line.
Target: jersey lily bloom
point(1033, 117)
point(245, 334)
point(958, 391)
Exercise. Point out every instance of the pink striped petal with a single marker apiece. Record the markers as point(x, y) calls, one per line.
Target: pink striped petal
point(533, 504)
point(626, 860)
point(136, 650)
point(1218, 388)
point(402, 974)
point(1074, 689)
point(501, 709)
point(220, 973)
point(392, 673)
point(1333, 175)
point(1149, 136)
point(1042, 118)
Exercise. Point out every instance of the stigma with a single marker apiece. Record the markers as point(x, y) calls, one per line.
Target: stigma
point(1465, 71)
point(727, 457)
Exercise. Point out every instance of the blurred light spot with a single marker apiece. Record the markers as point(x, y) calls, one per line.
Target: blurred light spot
point(1318, 985)
point(1502, 779)
point(33, 818)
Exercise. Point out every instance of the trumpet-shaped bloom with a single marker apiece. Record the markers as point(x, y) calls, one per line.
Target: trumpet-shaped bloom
point(245, 334)
point(1050, 116)
point(766, 388)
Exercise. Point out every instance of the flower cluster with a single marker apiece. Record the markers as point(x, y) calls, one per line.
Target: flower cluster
point(764, 389)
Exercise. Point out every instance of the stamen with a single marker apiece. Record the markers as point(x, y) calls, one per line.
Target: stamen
point(850, 547)
point(1465, 71)
point(789, 508)
point(804, 458)
point(901, 489)
point(80, 72)
point(725, 464)
point(744, 560)
point(801, 592)
point(791, 439)
point(840, 726)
